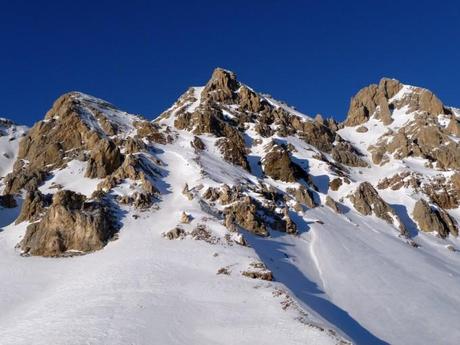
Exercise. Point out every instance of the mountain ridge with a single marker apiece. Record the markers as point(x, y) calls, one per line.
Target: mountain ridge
point(321, 213)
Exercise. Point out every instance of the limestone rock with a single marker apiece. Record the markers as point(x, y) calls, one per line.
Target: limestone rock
point(175, 233)
point(244, 214)
point(335, 183)
point(366, 201)
point(344, 153)
point(33, 206)
point(278, 165)
point(105, 159)
point(70, 223)
point(429, 219)
point(333, 204)
point(303, 196)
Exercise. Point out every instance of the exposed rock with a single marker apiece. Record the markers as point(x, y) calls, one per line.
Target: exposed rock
point(333, 204)
point(366, 201)
point(33, 207)
point(429, 219)
point(176, 233)
point(186, 191)
point(104, 160)
point(290, 227)
point(23, 178)
point(198, 144)
point(221, 87)
point(372, 100)
point(185, 218)
point(303, 196)
point(344, 153)
point(362, 129)
point(70, 223)
point(335, 184)
point(244, 214)
point(278, 165)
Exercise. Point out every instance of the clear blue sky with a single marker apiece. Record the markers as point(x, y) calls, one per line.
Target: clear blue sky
point(141, 55)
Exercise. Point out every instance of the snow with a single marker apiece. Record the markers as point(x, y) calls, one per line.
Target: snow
point(72, 178)
point(9, 145)
point(144, 289)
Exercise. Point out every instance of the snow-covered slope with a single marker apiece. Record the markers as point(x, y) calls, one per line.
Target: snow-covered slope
point(239, 220)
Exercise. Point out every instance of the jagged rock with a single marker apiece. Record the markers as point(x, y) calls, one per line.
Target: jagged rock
point(105, 159)
point(404, 179)
point(142, 200)
point(134, 145)
point(221, 87)
point(333, 204)
point(23, 178)
point(33, 207)
point(303, 196)
point(362, 129)
point(290, 227)
point(185, 218)
point(198, 144)
point(429, 219)
point(372, 99)
point(335, 184)
point(186, 191)
point(278, 165)
point(150, 131)
point(175, 233)
point(366, 200)
point(244, 214)
point(8, 201)
point(316, 134)
point(70, 223)
point(344, 153)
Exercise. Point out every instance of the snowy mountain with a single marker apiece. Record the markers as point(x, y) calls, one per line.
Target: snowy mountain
point(233, 218)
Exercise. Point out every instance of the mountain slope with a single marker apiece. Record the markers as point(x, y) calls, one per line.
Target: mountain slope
point(232, 218)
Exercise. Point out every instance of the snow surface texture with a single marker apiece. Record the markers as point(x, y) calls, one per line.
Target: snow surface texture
point(349, 277)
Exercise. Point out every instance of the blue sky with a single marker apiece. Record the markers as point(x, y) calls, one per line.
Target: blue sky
point(141, 55)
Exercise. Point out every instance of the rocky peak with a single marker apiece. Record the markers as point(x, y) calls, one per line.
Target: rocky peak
point(222, 86)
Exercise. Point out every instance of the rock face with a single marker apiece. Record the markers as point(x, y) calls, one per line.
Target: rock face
point(105, 159)
point(367, 201)
point(303, 196)
point(33, 207)
point(429, 219)
point(244, 214)
point(372, 98)
point(344, 153)
point(70, 223)
point(278, 165)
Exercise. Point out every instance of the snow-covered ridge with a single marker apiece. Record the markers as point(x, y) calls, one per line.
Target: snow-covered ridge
point(338, 274)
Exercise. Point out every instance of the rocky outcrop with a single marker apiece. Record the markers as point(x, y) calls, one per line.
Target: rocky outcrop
point(33, 207)
point(70, 224)
point(366, 200)
point(344, 153)
point(431, 219)
point(278, 165)
point(244, 214)
point(105, 159)
point(303, 196)
point(372, 100)
point(331, 203)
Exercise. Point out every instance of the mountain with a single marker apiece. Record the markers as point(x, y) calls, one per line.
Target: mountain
point(233, 218)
